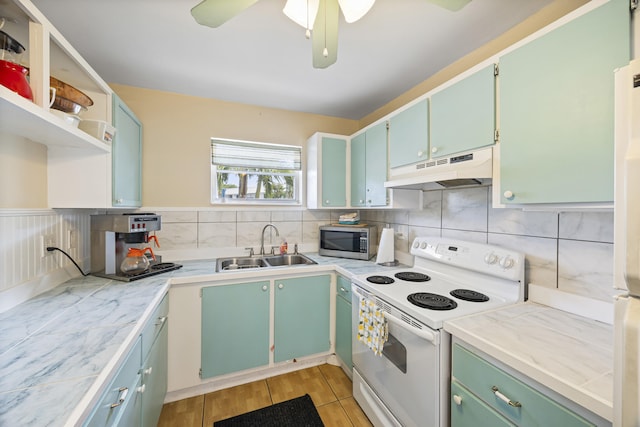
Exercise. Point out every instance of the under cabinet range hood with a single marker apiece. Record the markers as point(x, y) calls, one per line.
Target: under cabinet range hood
point(473, 168)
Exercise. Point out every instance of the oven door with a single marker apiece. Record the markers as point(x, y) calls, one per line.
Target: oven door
point(406, 378)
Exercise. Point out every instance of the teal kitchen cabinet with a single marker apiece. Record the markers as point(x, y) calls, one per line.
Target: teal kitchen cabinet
point(343, 322)
point(369, 167)
point(126, 156)
point(409, 135)
point(463, 115)
point(500, 397)
point(302, 317)
point(235, 328)
point(556, 110)
point(326, 171)
point(154, 375)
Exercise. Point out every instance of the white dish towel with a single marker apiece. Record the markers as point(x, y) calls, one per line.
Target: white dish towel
point(373, 329)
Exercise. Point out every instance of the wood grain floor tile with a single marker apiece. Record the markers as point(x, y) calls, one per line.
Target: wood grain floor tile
point(333, 415)
point(184, 413)
point(235, 401)
point(354, 412)
point(295, 384)
point(338, 380)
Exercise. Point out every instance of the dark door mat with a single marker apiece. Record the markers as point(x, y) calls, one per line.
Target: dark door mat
point(298, 412)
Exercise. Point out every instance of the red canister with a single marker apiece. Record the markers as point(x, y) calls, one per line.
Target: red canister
point(14, 77)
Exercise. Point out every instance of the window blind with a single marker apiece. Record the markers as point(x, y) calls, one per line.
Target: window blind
point(258, 155)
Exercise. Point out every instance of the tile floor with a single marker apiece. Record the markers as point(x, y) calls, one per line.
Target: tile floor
point(328, 386)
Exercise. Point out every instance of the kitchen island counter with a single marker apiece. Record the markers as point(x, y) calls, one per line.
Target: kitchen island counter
point(59, 349)
point(564, 352)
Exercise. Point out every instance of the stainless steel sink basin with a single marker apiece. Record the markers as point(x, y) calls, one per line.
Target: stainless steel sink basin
point(288, 259)
point(238, 263)
point(224, 264)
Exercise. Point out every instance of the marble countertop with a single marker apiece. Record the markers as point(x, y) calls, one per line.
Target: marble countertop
point(58, 350)
point(569, 354)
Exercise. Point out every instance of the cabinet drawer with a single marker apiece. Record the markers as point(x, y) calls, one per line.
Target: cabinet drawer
point(468, 410)
point(120, 392)
point(535, 409)
point(154, 325)
point(343, 288)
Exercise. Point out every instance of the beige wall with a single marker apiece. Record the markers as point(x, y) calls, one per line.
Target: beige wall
point(177, 133)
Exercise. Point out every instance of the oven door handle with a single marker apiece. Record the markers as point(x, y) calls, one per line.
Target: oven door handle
point(427, 335)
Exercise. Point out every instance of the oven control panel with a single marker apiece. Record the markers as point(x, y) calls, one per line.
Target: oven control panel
point(488, 259)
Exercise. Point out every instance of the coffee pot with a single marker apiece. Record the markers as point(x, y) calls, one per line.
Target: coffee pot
point(136, 261)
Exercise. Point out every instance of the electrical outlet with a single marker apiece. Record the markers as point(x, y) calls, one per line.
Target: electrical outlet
point(45, 241)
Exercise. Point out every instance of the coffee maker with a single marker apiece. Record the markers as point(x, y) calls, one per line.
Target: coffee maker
point(111, 238)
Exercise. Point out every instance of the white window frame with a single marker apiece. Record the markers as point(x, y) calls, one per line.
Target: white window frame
point(296, 174)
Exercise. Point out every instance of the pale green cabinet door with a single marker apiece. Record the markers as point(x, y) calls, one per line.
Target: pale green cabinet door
point(463, 114)
point(409, 135)
point(343, 321)
point(154, 378)
point(469, 411)
point(556, 110)
point(334, 172)
point(126, 156)
point(358, 170)
point(235, 328)
point(301, 317)
point(376, 165)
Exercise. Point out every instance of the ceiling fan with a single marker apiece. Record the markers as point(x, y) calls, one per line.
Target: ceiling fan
point(319, 17)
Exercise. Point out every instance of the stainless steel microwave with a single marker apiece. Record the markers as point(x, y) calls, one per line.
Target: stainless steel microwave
point(356, 242)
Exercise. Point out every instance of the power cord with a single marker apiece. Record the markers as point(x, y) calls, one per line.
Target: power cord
point(53, 248)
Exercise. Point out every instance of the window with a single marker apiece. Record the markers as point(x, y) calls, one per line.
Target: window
point(254, 172)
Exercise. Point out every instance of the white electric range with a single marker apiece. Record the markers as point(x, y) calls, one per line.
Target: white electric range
point(409, 384)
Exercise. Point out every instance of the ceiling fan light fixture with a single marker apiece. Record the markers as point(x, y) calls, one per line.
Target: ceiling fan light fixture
point(353, 10)
point(302, 12)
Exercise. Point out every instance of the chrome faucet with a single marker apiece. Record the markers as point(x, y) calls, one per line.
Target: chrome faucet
point(262, 239)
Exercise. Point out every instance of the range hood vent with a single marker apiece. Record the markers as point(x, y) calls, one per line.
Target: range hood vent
point(473, 168)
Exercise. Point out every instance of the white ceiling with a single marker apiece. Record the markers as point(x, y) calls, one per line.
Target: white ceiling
point(260, 57)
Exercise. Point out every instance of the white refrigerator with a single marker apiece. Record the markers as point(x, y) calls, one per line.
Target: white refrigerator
point(626, 392)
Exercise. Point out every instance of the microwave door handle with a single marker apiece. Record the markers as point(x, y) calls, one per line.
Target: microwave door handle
point(426, 335)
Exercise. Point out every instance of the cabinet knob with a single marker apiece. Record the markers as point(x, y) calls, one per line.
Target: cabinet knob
point(142, 388)
point(326, 202)
point(149, 370)
point(508, 195)
point(280, 286)
point(420, 153)
point(265, 287)
point(119, 201)
point(457, 399)
point(369, 201)
point(434, 150)
point(161, 320)
point(342, 289)
point(361, 201)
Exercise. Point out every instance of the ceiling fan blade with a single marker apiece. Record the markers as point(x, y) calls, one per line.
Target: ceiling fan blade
point(325, 34)
point(354, 10)
point(452, 5)
point(214, 13)
point(302, 12)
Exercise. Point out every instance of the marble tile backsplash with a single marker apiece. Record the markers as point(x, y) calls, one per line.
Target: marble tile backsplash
point(571, 251)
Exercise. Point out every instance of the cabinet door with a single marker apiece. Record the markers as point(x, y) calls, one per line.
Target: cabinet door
point(235, 328)
point(154, 379)
point(556, 110)
point(409, 135)
point(469, 411)
point(126, 156)
point(301, 317)
point(334, 172)
point(358, 170)
point(343, 321)
point(463, 115)
point(376, 165)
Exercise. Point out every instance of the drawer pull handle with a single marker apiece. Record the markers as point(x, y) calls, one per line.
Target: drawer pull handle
point(161, 320)
point(504, 398)
point(457, 399)
point(122, 395)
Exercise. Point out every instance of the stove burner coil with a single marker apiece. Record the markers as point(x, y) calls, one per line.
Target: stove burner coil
point(412, 276)
point(432, 301)
point(380, 280)
point(469, 295)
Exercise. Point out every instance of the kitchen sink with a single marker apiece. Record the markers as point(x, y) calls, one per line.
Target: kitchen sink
point(224, 264)
point(238, 263)
point(288, 259)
